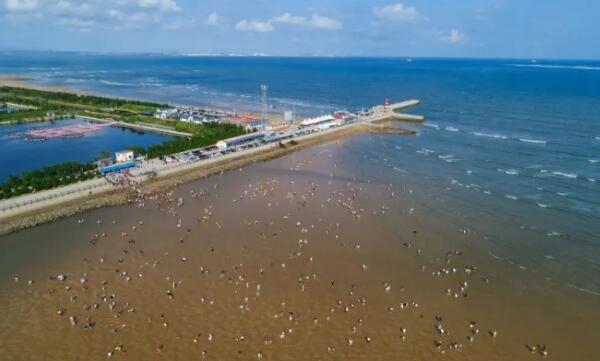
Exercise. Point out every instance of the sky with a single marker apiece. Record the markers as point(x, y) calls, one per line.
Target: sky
point(559, 29)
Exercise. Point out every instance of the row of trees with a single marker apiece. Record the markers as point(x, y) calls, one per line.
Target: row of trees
point(33, 115)
point(47, 178)
point(42, 97)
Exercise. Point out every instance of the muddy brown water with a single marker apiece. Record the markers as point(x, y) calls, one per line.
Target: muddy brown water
point(291, 259)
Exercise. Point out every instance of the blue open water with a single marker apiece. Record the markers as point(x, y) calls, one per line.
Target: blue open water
point(513, 144)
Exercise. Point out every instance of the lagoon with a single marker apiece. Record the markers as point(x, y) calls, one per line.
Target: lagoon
point(20, 155)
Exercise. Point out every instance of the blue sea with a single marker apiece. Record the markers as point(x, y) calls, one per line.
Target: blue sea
point(511, 147)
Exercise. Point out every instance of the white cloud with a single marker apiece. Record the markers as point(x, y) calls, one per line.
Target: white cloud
point(76, 23)
point(324, 22)
point(214, 19)
point(133, 21)
point(180, 24)
point(21, 5)
point(454, 37)
point(64, 7)
point(316, 21)
point(290, 19)
point(162, 5)
point(256, 26)
point(398, 12)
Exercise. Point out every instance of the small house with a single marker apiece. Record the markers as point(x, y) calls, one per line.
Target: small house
point(124, 156)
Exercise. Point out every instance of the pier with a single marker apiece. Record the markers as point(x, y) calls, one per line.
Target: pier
point(388, 112)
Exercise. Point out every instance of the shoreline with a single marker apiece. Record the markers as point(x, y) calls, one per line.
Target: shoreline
point(48, 209)
point(17, 81)
point(174, 177)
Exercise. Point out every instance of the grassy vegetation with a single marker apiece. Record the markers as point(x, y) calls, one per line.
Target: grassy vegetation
point(47, 178)
point(63, 104)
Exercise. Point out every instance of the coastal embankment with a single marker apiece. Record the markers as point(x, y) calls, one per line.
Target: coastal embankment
point(141, 127)
point(47, 206)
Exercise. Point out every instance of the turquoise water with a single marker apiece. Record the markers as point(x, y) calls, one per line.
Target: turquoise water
point(511, 147)
point(20, 155)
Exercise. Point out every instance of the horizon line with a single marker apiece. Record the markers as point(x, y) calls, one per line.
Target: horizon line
point(264, 55)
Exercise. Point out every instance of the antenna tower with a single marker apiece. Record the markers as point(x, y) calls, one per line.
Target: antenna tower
point(264, 101)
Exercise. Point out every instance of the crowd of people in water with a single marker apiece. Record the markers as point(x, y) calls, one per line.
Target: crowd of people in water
point(95, 299)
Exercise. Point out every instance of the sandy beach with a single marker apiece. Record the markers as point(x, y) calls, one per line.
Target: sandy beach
point(27, 82)
point(297, 257)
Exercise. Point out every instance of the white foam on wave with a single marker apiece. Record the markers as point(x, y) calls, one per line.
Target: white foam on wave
point(535, 141)
point(115, 83)
point(493, 255)
point(566, 175)
point(490, 135)
point(510, 196)
point(562, 194)
point(425, 151)
point(592, 180)
point(593, 160)
point(543, 205)
point(584, 290)
point(508, 171)
point(151, 84)
point(74, 80)
point(452, 129)
point(556, 66)
point(432, 125)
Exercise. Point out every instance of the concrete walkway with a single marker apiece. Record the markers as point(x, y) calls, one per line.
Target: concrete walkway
point(38, 200)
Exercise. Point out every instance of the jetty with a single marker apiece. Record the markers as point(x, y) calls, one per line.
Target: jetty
point(388, 112)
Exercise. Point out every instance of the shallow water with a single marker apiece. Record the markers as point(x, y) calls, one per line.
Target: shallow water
point(309, 221)
point(516, 140)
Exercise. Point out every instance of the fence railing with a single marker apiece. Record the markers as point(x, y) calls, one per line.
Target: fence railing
point(35, 198)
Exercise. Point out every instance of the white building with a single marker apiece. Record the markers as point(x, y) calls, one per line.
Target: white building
point(124, 156)
point(165, 113)
point(317, 120)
